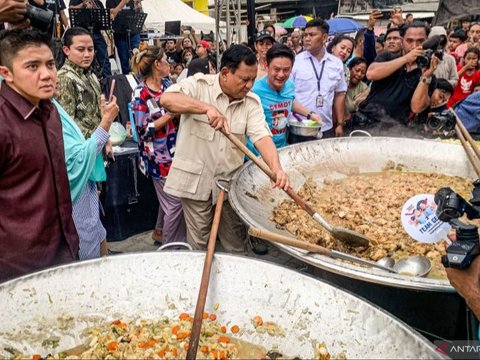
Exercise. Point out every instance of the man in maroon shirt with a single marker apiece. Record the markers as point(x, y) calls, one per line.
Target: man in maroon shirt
point(36, 226)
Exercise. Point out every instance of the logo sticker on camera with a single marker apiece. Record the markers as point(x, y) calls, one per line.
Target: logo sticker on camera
point(420, 221)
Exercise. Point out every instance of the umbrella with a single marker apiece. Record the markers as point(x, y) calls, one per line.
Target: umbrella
point(279, 30)
point(343, 26)
point(296, 21)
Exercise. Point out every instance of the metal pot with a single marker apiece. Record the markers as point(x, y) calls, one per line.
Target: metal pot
point(156, 284)
point(299, 128)
point(253, 198)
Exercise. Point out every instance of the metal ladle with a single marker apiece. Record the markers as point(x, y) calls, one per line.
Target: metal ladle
point(402, 267)
point(411, 266)
point(349, 237)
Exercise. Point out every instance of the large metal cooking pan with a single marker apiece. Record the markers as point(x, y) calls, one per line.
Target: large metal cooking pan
point(417, 301)
point(253, 198)
point(156, 284)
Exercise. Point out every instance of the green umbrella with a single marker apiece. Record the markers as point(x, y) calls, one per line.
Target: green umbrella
point(296, 21)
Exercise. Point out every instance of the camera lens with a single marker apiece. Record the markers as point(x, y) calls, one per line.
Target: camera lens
point(435, 122)
point(423, 62)
point(39, 18)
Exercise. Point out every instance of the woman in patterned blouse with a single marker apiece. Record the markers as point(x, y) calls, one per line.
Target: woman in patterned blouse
point(157, 135)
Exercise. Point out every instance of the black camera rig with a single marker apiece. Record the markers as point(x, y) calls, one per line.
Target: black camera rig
point(432, 46)
point(450, 207)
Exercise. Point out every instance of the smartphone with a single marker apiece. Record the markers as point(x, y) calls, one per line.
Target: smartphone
point(386, 14)
point(112, 89)
point(153, 107)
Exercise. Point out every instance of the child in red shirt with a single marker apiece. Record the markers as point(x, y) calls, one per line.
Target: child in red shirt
point(469, 76)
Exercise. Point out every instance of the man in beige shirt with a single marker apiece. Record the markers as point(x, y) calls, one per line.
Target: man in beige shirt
point(203, 155)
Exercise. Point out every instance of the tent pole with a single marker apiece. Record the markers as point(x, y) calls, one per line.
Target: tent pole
point(227, 13)
point(239, 21)
point(217, 29)
point(251, 22)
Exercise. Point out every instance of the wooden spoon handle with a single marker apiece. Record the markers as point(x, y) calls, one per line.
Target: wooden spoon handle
point(468, 150)
point(207, 267)
point(466, 134)
point(264, 167)
point(316, 249)
point(286, 240)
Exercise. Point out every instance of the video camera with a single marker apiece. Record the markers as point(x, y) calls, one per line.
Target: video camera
point(39, 18)
point(432, 46)
point(450, 207)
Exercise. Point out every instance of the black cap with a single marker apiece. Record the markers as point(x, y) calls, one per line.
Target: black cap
point(264, 34)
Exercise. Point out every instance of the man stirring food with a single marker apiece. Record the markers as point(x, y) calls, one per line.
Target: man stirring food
point(203, 155)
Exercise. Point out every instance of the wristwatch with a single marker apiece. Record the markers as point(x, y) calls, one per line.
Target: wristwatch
point(425, 80)
point(309, 115)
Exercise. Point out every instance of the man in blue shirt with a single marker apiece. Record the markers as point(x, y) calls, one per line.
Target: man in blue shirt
point(277, 95)
point(468, 111)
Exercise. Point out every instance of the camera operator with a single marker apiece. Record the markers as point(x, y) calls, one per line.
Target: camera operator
point(429, 103)
point(395, 75)
point(467, 284)
point(461, 260)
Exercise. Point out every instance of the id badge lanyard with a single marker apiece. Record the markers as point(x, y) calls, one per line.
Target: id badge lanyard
point(319, 100)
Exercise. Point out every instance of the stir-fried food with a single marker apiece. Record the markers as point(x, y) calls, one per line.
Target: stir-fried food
point(370, 204)
point(169, 339)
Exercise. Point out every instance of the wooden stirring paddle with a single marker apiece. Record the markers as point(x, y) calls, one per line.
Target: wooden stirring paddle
point(207, 267)
point(349, 237)
point(466, 140)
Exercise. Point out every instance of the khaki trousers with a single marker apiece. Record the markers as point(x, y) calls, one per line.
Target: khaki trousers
point(199, 216)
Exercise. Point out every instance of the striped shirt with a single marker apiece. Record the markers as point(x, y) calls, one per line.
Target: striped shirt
point(86, 215)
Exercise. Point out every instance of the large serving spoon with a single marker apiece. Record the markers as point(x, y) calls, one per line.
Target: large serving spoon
point(414, 265)
point(347, 236)
point(312, 248)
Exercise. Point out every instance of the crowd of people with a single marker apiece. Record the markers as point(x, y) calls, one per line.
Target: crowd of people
point(368, 82)
point(54, 129)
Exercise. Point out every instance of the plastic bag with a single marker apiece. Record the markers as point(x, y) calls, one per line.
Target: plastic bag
point(117, 134)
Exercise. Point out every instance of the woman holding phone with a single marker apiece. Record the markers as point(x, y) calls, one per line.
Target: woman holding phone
point(157, 134)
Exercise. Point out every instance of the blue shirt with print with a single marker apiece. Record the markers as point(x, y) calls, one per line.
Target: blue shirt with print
point(277, 106)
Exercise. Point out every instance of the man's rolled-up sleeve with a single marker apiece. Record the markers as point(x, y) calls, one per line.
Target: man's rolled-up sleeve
point(187, 86)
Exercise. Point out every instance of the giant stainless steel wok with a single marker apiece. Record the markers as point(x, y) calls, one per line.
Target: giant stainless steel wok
point(253, 198)
point(156, 284)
